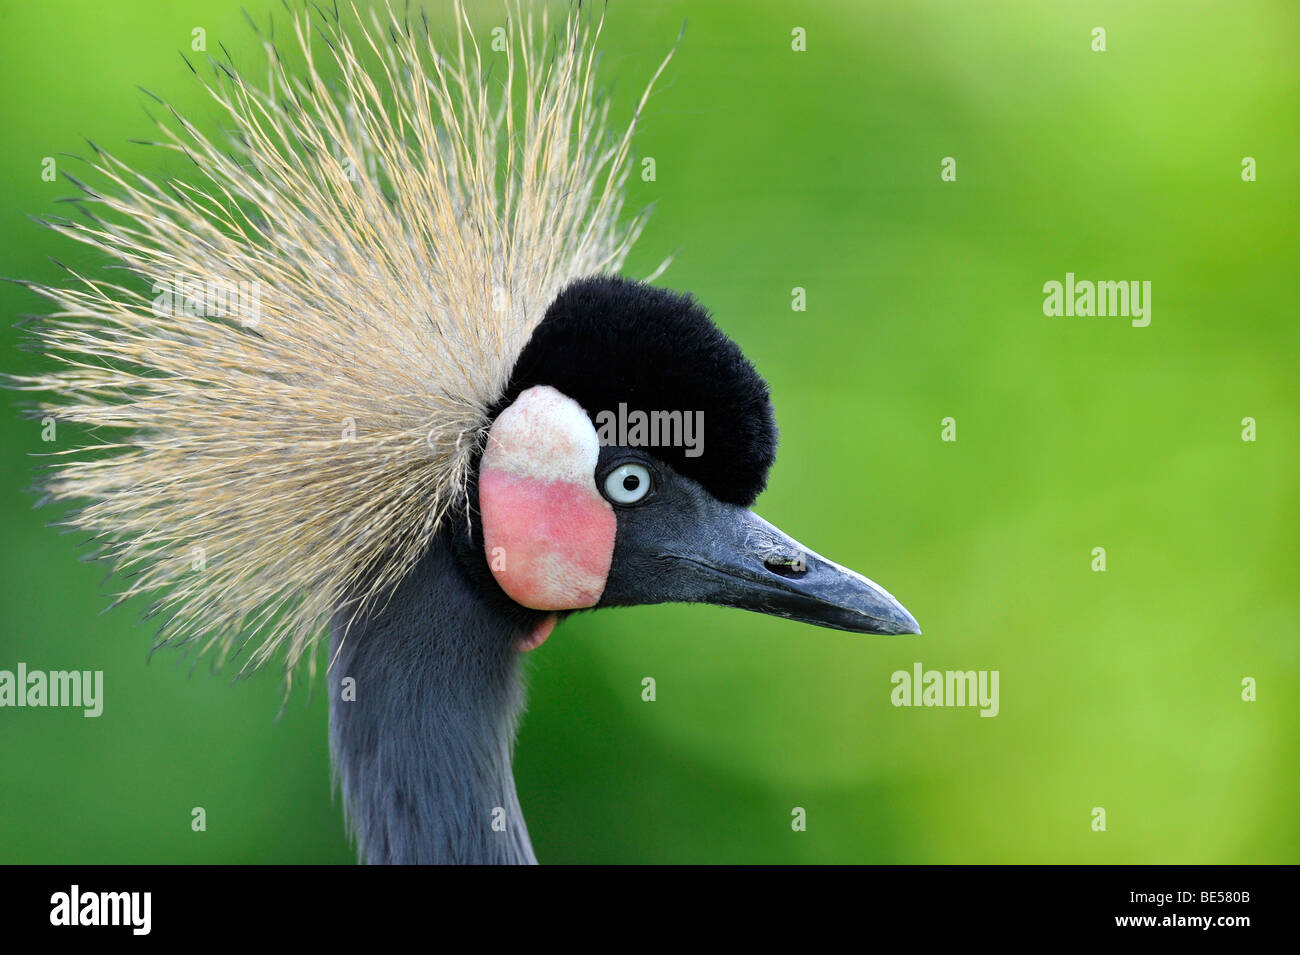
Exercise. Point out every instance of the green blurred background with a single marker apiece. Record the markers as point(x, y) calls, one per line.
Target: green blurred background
point(818, 169)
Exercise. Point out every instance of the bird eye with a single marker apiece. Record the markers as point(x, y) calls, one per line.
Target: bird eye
point(627, 484)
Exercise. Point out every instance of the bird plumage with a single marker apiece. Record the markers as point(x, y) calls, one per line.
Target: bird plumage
point(425, 699)
point(400, 211)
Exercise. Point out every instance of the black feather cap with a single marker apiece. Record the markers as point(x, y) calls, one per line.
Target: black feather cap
point(608, 341)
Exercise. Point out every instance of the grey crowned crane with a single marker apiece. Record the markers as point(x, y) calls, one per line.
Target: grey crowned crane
point(384, 424)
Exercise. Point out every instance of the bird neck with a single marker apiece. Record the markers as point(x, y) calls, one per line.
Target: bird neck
point(425, 697)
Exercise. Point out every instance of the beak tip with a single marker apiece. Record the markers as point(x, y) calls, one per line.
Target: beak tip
point(899, 621)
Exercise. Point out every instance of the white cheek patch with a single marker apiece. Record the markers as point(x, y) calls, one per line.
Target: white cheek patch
point(544, 435)
point(548, 534)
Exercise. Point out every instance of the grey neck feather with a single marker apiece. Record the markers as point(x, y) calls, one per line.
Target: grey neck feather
point(423, 751)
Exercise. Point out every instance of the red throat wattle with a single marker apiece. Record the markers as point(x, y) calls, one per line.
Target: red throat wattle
point(535, 637)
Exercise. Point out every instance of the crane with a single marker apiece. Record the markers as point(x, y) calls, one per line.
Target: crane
point(353, 380)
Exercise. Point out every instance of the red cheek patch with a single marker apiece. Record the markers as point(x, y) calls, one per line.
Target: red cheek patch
point(548, 534)
point(549, 543)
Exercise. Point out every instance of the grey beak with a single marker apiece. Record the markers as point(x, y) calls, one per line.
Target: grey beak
point(737, 559)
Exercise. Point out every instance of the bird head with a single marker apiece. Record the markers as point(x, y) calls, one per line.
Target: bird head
point(621, 463)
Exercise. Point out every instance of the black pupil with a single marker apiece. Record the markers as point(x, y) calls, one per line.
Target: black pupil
point(631, 482)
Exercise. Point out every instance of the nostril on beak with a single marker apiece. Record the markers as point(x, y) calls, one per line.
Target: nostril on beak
point(787, 566)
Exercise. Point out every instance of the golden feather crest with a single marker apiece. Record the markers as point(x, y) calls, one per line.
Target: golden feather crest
point(290, 385)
